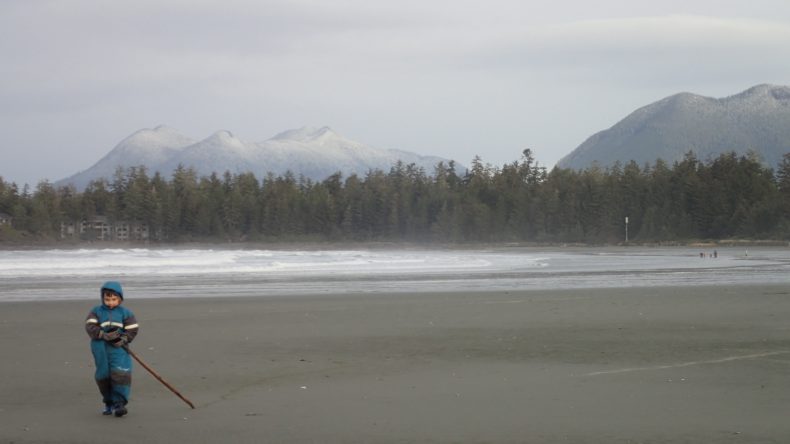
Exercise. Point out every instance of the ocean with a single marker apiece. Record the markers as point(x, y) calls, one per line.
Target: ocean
point(57, 274)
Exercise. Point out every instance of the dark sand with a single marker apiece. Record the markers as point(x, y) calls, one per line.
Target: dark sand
point(647, 365)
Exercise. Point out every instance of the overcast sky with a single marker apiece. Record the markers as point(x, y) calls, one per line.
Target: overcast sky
point(453, 78)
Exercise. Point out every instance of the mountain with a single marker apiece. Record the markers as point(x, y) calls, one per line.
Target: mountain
point(757, 119)
point(315, 153)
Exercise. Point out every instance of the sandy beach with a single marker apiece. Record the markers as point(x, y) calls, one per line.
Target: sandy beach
point(646, 365)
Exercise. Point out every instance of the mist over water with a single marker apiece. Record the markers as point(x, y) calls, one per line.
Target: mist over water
point(152, 273)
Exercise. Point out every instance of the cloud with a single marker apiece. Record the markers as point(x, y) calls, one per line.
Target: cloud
point(640, 37)
point(143, 44)
point(638, 51)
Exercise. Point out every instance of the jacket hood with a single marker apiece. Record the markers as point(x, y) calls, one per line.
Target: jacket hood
point(113, 286)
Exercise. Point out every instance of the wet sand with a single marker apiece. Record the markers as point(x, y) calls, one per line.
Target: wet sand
point(638, 365)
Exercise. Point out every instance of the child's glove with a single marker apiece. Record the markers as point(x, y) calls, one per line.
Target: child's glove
point(110, 336)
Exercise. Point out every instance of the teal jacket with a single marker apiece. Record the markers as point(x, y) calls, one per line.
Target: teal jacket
point(104, 319)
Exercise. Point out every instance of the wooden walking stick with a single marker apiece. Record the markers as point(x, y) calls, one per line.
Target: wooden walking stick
point(155, 375)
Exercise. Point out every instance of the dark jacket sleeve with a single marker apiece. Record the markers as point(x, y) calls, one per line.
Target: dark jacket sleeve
point(92, 325)
point(130, 326)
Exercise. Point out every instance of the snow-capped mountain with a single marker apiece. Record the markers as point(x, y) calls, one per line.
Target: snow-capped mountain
point(314, 153)
point(757, 119)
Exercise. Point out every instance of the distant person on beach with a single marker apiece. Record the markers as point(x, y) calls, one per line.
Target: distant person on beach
point(110, 327)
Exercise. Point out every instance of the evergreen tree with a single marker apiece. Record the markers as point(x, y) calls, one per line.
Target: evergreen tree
point(183, 203)
point(138, 200)
point(44, 213)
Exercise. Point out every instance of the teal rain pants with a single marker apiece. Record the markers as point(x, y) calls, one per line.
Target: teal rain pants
point(113, 372)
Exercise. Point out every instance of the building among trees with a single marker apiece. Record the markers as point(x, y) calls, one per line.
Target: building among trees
point(101, 228)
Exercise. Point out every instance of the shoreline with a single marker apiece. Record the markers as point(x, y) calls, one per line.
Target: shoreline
point(654, 364)
point(383, 245)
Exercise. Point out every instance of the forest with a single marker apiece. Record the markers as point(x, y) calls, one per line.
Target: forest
point(728, 197)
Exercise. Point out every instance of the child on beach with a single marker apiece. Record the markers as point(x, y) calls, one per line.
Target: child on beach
point(110, 327)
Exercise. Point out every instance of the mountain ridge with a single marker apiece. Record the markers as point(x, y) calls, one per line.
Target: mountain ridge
point(757, 119)
point(315, 153)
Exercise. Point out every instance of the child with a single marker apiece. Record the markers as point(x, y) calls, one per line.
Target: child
point(111, 327)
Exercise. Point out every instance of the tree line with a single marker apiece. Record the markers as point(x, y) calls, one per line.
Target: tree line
point(730, 196)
